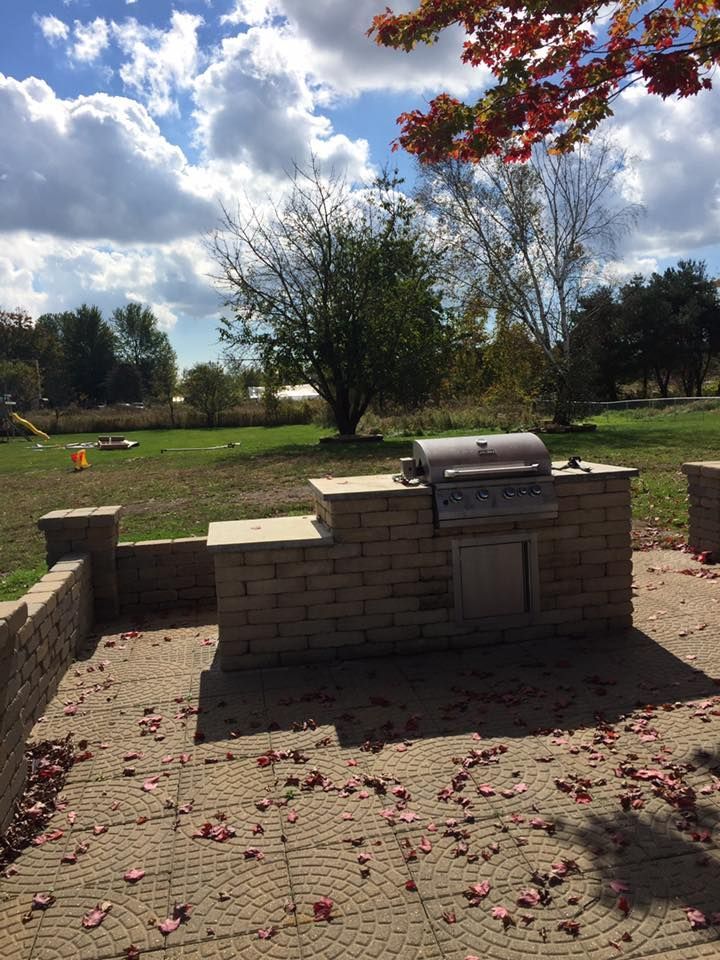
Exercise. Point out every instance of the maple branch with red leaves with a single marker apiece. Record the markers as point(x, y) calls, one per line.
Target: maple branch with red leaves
point(551, 76)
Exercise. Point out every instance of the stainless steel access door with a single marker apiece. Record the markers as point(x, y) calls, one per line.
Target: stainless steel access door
point(495, 579)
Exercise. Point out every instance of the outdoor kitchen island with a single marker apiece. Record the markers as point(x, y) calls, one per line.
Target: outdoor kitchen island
point(375, 572)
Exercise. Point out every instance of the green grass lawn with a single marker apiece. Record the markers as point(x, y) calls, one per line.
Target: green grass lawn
point(178, 494)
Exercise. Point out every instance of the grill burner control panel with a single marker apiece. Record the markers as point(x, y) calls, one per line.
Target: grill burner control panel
point(498, 498)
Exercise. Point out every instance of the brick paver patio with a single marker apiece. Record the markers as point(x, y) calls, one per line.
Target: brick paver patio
point(545, 800)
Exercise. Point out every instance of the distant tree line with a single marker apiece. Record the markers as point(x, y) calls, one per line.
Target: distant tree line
point(658, 334)
point(78, 357)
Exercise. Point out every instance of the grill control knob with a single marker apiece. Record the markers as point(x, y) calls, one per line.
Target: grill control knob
point(456, 496)
point(535, 490)
point(522, 491)
point(509, 493)
point(481, 495)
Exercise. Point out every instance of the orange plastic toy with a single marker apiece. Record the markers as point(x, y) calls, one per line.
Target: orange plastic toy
point(80, 460)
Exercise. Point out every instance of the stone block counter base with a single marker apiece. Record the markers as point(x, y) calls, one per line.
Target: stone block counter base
point(704, 506)
point(369, 574)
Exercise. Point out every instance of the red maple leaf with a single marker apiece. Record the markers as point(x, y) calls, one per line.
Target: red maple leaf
point(322, 909)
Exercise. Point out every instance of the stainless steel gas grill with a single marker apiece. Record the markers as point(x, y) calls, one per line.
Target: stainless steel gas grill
point(475, 478)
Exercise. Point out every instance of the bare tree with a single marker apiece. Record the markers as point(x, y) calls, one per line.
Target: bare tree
point(336, 288)
point(529, 240)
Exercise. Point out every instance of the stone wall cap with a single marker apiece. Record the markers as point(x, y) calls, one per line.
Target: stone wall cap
point(15, 612)
point(704, 468)
point(598, 471)
point(360, 488)
point(275, 532)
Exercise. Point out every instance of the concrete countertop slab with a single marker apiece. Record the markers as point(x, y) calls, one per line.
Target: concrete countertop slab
point(233, 535)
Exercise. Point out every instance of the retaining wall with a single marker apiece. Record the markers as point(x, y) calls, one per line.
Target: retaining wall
point(161, 574)
point(704, 506)
point(39, 637)
point(377, 576)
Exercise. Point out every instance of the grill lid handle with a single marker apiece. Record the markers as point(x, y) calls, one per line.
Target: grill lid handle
point(459, 473)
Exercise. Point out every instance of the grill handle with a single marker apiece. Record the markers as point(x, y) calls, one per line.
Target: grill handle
point(467, 473)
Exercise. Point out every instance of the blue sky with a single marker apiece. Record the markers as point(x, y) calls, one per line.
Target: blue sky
point(125, 124)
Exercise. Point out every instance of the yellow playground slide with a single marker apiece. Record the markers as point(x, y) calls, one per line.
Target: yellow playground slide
point(26, 425)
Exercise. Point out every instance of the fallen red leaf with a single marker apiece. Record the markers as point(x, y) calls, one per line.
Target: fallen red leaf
point(41, 901)
point(322, 909)
point(696, 918)
point(132, 876)
point(96, 916)
point(267, 934)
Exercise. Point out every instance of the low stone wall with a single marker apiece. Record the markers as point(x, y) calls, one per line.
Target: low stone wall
point(704, 506)
point(376, 576)
point(160, 574)
point(39, 637)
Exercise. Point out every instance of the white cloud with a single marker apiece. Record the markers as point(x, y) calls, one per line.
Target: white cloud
point(256, 106)
point(675, 174)
point(338, 55)
point(52, 29)
point(93, 167)
point(90, 40)
point(159, 62)
point(250, 12)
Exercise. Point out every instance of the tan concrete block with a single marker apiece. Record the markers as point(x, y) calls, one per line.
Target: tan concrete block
point(255, 558)
point(337, 638)
point(185, 545)
point(365, 592)
point(411, 531)
point(15, 612)
point(384, 548)
point(338, 551)
point(620, 568)
point(568, 615)
point(623, 582)
point(306, 598)
point(344, 521)
point(254, 631)
point(366, 621)
point(415, 617)
point(277, 615)
point(391, 605)
point(251, 574)
point(323, 611)
point(305, 568)
point(263, 601)
point(234, 648)
point(585, 599)
point(577, 487)
point(232, 618)
point(393, 518)
point(593, 515)
point(399, 575)
point(366, 505)
point(608, 610)
point(425, 558)
point(363, 535)
point(158, 596)
point(617, 486)
point(278, 644)
point(303, 627)
point(607, 529)
point(559, 588)
point(334, 580)
point(276, 585)
point(363, 564)
point(249, 661)
point(619, 513)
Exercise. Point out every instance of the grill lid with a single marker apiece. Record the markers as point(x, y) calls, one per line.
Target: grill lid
point(474, 458)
